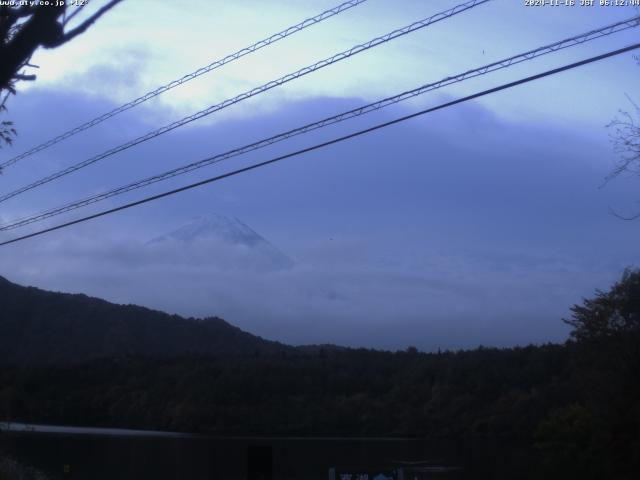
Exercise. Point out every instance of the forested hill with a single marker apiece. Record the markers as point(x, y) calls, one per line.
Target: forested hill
point(41, 326)
point(577, 404)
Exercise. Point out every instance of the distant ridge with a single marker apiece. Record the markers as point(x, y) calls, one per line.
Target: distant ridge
point(41, 326)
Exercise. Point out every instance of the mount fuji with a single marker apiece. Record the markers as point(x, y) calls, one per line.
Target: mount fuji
point(225, 242)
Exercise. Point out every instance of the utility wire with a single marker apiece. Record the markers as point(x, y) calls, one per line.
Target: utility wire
point(255, 91)
point(186, 78)
point(330, 142)
point(505, 63)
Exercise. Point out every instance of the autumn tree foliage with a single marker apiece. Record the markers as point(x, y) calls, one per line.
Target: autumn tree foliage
point(606, 331)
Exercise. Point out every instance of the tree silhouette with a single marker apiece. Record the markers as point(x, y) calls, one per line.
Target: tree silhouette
point(24, 29)
point(607, 333)
point(611, 314)
point(625, 137)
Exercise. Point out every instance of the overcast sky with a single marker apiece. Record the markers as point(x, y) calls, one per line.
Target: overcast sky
point(478, 224)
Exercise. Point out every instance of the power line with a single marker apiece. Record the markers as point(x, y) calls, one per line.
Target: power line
point(255, 91)
point(501, 64)
point(186, 78)
point(330, 142)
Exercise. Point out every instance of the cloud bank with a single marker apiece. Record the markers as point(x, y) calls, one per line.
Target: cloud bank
point(455, 230)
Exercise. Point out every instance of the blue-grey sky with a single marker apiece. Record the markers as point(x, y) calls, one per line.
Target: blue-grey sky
point(479, 224)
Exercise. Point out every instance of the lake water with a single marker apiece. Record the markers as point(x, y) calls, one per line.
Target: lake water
point(114, 455)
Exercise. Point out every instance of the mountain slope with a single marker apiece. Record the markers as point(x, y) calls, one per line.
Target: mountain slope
point(37, 325)
point(225, 242)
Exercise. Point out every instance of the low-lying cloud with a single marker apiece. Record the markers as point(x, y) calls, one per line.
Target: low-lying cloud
point(452, 231)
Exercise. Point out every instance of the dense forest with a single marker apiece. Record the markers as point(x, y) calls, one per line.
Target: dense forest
point(41, 326)
point(577, 404)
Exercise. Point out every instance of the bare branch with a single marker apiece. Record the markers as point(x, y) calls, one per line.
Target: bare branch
point(84, 25)
point(622, 217)
point(4, 101)
point(75, 12)
point(24, 29)
point(22, 76)
point(626, 142)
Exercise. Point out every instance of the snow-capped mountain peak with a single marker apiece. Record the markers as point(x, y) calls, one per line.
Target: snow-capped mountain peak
point(227, 239)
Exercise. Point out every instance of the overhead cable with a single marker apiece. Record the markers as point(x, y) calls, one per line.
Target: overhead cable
point(255, 91)
point(501, 64)
point(186, 78)
point(328, 143)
